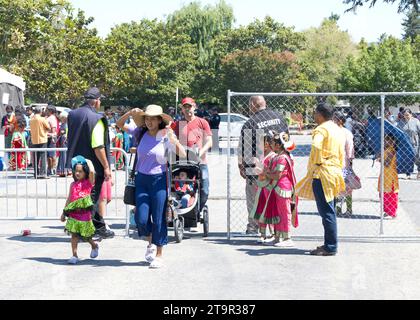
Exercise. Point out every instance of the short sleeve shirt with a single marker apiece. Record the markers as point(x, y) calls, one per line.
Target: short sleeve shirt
point(151, 151)
point(193, 134)
point(98, 135)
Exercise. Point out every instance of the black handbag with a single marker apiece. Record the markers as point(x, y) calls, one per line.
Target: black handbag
point(130, 188)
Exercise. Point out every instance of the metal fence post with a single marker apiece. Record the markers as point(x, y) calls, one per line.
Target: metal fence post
point(228, 165)
point(381, 231)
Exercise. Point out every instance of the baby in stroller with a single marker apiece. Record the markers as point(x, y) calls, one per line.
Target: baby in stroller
point(183, 190)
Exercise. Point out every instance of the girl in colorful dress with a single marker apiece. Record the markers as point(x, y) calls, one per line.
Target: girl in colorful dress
point(19, 160)
point(263, 184)
point(78, 207)
point(281, 206)
point(391, 184)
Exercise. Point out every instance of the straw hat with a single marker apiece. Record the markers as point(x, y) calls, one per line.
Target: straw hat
point(151, 111)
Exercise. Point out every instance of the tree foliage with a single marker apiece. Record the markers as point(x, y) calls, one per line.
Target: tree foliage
point(411, 25)
point(402, 6)
point(150, 60)
point(388, 66)
point(327, 49)
point(203, 24)
point(197, 50)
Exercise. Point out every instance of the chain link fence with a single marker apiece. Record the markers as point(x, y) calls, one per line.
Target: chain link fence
point(380, 126)
point(22, 197)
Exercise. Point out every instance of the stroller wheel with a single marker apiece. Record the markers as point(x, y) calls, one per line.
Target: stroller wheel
point(179, 230)
point(206, 221)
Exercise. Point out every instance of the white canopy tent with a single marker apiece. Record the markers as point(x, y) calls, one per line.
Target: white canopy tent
point(11, 93)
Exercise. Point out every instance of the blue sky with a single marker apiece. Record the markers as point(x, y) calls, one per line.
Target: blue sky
point(368, 23)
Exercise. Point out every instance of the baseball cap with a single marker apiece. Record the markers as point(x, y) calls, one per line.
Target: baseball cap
point(93, 93)
point(189, 101)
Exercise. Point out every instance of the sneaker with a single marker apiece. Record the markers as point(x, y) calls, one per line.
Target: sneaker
point(150, 253)
point(157, 263)
point(95, 252)
point(285, 244)
point(269, 240)
point(104, 233)
point(251, 232)
point(73, 260)
point(261, 240)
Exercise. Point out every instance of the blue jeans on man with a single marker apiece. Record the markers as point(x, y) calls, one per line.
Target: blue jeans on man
point(327, 213)
point(205, 185)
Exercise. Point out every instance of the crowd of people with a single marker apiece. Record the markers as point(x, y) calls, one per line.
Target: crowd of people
point(272, 192)
point(153, 134)
point(41, 128)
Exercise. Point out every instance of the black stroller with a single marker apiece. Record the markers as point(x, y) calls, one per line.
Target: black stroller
point(178, 217)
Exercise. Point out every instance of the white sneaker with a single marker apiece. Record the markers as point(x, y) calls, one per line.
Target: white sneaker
point(150, 253)
point(269, 240)
point(157, 263)
point(95, 252)
point(285, 244)
point(73, 260)
point(261, 240)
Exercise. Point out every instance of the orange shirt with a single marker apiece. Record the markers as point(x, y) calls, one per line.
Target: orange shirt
point(39, 129)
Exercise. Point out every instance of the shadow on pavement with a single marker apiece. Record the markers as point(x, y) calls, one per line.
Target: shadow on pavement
point(271, 251)
point(54, 227)
point(345, 216)
point(94, 263)
point(39, 239)
point(260, 249)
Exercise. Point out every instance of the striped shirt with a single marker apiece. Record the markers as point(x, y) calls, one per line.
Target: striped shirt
point(325, 162)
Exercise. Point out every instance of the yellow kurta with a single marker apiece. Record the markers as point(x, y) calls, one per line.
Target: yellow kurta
point(391, 183)
point(325, 162)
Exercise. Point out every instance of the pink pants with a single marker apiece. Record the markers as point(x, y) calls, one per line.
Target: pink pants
point(284, 207)
point(391, 203)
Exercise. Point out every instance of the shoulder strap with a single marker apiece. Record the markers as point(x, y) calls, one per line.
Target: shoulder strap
point(141, 134)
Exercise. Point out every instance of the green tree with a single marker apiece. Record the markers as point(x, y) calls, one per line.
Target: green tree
point(25, 25)
point(403, 4)
point(70, 60)
point(149, 60)
point(203, 24)
point(411, 25)
point(327, 49)
point(260, 70)
point(266, 35)
point(390, 65)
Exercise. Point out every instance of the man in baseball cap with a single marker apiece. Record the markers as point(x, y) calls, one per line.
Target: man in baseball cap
point(188, 101)
point(195, 132)
point(93, 94)
point(88, 136)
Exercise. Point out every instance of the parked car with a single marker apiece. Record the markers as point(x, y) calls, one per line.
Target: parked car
point(237, 121)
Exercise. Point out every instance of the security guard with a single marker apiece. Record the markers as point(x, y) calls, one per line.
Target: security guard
point(251, 145)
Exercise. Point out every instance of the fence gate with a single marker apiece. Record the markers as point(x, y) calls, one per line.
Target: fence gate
point(24, 198)
point(369, 128)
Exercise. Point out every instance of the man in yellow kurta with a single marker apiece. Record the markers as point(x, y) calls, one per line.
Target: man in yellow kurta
point(324, 180)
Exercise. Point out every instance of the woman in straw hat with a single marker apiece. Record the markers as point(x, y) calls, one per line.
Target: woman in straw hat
point(154, 138)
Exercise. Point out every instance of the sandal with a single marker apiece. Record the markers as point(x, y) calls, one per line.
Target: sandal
point(320, 251)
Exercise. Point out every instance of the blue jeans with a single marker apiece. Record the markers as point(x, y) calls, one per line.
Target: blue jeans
point(205, 185)
point(151, 202)
point(327, 213)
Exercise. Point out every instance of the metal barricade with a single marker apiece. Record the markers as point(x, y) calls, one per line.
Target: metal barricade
point(367, 218)
point(23, 197)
